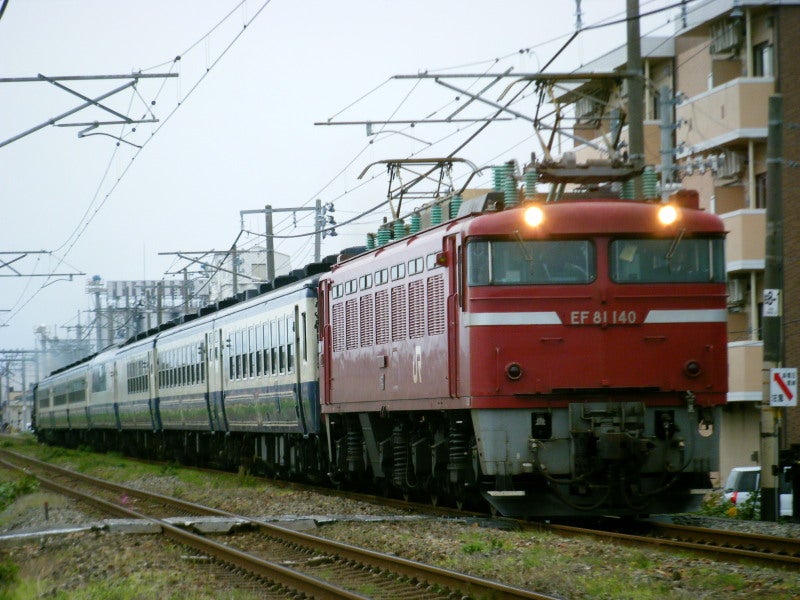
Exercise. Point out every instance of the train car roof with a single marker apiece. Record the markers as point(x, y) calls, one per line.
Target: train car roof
point(579, 215)
point(595, 217)
point(84, 360)
point(224, 310)
point(282, 285)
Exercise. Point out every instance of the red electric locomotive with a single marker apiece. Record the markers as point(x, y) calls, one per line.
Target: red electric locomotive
point(561, 358)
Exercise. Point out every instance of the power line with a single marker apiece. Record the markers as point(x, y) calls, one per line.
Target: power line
point(147, 141)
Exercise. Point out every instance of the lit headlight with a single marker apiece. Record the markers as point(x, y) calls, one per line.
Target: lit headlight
point(534, 216)
point(667, 214)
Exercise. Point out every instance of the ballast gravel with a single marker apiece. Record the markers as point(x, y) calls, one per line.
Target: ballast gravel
point(69, 565)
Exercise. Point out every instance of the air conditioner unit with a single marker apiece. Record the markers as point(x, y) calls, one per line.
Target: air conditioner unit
point(726, 37)
point(737, 288)
point(729, 165)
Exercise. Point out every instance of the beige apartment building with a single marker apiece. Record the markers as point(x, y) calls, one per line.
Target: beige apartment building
point(724, 61)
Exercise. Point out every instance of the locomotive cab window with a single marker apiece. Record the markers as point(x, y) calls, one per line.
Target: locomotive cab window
point(667, 260)
point(528, 262)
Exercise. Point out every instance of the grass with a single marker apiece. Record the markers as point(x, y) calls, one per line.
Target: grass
point(570, 568)
point(11, 490)
point(115, 467)
point(23, 505)
point(113, 567)
point(126, 588)
point(475, 543)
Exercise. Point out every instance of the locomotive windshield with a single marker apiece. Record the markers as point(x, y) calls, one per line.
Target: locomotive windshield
point(664, 261)
point(526, 262)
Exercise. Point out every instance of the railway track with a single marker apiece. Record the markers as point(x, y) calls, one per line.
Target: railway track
point(723, 544)
point(297, 562)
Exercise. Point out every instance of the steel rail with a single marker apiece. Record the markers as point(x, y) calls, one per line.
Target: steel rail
point(734, 545)
point(275, 573)
point(436, 576)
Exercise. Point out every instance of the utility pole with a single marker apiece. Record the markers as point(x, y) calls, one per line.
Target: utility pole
point(323, 227)
point(319, 224)
point(235, 270)
point(635, 85)
point(666, 104)
point(269, 244)
point(95, 286)
point(159, 302)
point(21, 357)
point(773, 310)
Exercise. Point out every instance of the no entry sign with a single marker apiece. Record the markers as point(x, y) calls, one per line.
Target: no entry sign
point(783, 387)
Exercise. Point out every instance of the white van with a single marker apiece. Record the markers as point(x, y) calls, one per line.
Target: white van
point(743, 481)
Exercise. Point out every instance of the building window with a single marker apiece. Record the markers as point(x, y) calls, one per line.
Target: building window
point(761, 190)
point(762, 60)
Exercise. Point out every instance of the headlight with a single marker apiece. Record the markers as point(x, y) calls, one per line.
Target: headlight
point(533, 216)
point(668, 214)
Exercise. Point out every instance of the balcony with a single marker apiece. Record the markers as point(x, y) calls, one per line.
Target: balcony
point(736, 110)
point(745, 244)
point(745, 361)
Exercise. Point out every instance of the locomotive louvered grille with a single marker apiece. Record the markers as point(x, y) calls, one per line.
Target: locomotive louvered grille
point(338, 327)
point(351, 314)
point(436, 312)
point(399, 310)
point(382, 317)
point(367, 321)
point(416, 309)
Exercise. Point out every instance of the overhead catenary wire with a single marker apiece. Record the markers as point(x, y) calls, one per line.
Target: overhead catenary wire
point(175, 61)
point(80, 229)
point(571, 37)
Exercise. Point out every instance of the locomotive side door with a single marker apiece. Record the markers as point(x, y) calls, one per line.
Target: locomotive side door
point(152, 387)
point(453, 309)
point(298, 368)
point(215, 374)
point(325, 347)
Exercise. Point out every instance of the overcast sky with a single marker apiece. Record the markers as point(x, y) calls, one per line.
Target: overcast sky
point(236, 130)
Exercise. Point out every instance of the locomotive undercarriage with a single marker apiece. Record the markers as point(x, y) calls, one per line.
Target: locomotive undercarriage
point(621, 458)
point(420, 455)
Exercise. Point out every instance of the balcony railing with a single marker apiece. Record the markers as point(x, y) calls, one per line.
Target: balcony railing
point(745, 360)
point(745, 244)
point(726, 113)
